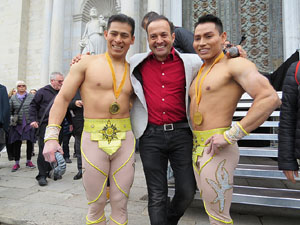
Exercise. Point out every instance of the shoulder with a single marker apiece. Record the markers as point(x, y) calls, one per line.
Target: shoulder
point(240, 65)
point(84, 62)
point(190, 58)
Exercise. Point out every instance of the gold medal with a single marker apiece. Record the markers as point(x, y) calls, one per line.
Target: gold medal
point(198, 88)
point(197, 118)
point(114, 108)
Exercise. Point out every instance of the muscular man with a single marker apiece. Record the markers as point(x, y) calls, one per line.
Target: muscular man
point(214, 94)
point(107, 139)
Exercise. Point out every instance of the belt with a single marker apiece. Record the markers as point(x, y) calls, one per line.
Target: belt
point(169, 126)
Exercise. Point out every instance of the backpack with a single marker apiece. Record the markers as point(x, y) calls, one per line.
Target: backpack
point(297, 78)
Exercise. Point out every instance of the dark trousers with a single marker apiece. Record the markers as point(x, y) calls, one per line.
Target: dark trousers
point(43, 166)
point(77, 148)
point(157, 147)
point(65, 145)
point(17, 149)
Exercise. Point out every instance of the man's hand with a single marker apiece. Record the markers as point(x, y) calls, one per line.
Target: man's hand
point(290, 175)
point(34, 124)
point(50, 147)
point(79, 103)
point(242, 52)
point(77, 58)
point(217, 143)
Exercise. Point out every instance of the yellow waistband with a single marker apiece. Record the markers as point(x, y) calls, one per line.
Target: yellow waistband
point(199, 139)
point(97, 125)
point(202, 136)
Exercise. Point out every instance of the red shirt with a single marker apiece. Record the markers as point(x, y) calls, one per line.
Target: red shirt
point(164, 89)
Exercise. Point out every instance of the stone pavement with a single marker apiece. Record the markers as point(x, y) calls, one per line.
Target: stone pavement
point(63, 202)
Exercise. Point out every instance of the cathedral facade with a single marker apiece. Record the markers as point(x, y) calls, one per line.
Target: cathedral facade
point(39, 37)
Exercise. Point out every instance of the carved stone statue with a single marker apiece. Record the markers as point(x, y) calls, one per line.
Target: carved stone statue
point(93, 40)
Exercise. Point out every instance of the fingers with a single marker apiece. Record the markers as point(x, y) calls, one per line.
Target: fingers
point(209, 140)
point(60, 150)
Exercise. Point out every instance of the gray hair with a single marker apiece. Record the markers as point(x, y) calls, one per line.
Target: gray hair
point(54, 74)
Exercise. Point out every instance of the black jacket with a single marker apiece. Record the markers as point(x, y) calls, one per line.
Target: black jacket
point(289, 127)
point(40, 102)
point(184, 40)
point(4, 108)
point(77, 114)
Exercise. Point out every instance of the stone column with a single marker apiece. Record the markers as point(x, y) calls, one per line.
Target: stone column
point(128, 8)
point(176, 10)
point(154, 5)
point(46, 42)
point(57, 36)
point(291, 26)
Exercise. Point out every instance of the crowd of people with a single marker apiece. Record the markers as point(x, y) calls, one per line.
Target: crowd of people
point(178, 105)
point(29, 112)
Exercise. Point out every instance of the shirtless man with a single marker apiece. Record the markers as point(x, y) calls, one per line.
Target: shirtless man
point(107, 141)
point(214, 94)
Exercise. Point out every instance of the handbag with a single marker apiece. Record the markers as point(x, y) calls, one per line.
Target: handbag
point(14, 118)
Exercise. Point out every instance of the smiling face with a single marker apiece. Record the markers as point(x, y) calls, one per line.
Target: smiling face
point(160, 39)
point(119, 39)
point(208, 42)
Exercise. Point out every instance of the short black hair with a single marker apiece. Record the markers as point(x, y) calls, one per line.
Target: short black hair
point(210, 18)
point(122, 18)
point(147, 17)
point(161, 17)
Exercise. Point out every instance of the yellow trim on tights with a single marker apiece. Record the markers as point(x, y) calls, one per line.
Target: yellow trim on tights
point(121, 168)
point(215, 218)
point(101, 219)
point(117, 222)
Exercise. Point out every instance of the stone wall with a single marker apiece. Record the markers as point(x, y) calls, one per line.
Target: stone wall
point(20, 42)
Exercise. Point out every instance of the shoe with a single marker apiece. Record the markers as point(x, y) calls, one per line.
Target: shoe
point(30, 165)
point(15, 168)
point(68, 160)
point(74, 155)
point(42, 181)
point(78, 176)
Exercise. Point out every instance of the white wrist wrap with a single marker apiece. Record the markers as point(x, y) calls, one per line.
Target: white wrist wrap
point(52, 132)
point(235, 133)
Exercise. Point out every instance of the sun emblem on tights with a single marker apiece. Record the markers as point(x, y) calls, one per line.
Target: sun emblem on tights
point(221, 186)
point(109, 132)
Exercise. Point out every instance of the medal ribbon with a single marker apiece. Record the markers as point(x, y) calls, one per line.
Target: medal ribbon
point(116, 91)
point(198, 94)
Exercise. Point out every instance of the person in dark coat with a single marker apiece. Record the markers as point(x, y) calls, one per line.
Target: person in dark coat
point(39, 114)
point(76, 110)
point(289, 126)
point(4, 115)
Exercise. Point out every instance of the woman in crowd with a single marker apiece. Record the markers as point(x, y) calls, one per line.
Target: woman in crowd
point(20, 128)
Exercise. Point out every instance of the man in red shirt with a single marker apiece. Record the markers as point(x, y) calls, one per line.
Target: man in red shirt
point(161, 80)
